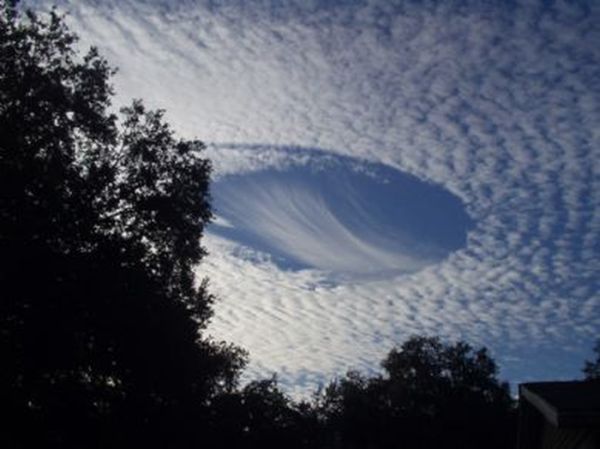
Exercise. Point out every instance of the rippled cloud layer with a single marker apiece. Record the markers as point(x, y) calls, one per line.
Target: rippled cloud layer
point(498, 104)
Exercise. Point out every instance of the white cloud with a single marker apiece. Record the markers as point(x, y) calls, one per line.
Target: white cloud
point(497, 103)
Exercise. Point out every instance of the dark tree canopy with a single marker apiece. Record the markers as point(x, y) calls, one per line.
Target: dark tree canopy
point(260, 415)
point(100, 226)
point(432, 395)
point(591, 369)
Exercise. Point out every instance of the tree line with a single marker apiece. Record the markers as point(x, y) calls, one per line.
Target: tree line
point(102, 319)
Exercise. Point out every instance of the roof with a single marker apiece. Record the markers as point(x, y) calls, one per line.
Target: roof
point(565, 404)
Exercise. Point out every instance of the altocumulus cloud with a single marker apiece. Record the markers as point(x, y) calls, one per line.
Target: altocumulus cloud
point(498, 104)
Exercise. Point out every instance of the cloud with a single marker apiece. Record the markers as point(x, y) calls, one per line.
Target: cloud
point(344, 216)
point(497, 103)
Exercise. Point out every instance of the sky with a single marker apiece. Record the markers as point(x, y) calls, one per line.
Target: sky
point(382, 169)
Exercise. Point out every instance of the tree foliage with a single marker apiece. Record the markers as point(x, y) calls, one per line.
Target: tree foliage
point(262, 415)
point(591, 369)
point(432, 394)
point(100, 226)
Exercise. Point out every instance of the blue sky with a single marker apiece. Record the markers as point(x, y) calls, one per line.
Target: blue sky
point(383, 169)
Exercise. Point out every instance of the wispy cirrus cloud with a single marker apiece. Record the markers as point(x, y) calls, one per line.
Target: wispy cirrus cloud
point(343, 216)
point(497, 103)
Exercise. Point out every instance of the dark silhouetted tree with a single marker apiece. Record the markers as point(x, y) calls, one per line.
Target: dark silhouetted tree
point(100, 226)
point(591, 369)
point(432, 395)
point(261, 415)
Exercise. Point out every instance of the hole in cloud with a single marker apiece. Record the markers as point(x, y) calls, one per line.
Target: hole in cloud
point(308, 209)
